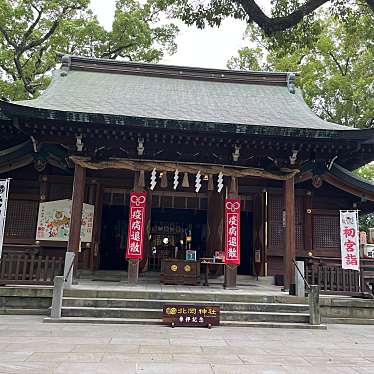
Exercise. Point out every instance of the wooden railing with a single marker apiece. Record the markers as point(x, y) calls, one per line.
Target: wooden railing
point(332, 279)
point(29, 269)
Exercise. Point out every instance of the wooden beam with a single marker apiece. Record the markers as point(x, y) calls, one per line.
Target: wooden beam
point(191, 168)
point(289, 237)
point(331, 179)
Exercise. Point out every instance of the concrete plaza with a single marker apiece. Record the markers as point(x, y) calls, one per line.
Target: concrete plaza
point(27, 345)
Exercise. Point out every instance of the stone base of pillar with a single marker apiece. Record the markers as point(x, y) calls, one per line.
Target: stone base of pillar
point(68, 268)
point(230, 276)
point(133, 272)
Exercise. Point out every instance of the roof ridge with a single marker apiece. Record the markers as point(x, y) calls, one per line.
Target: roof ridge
point(72, 62)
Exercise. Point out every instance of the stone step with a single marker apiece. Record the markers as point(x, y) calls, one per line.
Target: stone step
point(136, 313)
point(24, 311)
point(158, 304)
point(92, 320)
point(209, 295)
point(141, 313)
point(349, 321)
point(286, 325)
point(156, 321)
point(235, 316)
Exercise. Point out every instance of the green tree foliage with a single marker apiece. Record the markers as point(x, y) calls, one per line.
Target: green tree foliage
point(32, 31)
point(366, 172)
point(285, 14)
point(334, 57)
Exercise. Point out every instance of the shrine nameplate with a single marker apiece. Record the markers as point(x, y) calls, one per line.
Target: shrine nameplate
point(191, 315)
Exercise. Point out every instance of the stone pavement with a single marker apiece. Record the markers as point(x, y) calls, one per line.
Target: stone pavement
point(29, 346)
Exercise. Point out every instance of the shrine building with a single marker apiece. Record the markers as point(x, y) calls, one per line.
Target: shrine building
point(189, 138)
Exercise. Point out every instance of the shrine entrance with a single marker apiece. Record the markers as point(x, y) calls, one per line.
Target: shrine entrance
point(175, 231)
point(246, 244)
point(114, 238)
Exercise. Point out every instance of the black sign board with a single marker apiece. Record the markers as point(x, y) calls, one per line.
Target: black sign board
point(191, 315)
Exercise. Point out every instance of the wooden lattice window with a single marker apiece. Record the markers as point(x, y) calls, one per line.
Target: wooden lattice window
point(22, 217)
point(326, 231)
point(275, 220)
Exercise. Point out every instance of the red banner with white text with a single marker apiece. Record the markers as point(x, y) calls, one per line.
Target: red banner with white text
point(135, 239)
point(232, 231)
point(349, 240)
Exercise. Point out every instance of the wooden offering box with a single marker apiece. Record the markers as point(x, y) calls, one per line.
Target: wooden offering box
point(174, 271)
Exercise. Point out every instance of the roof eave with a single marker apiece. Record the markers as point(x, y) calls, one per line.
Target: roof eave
point(15, 110)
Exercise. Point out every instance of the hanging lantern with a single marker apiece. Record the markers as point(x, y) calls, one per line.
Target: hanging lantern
point(164, 179)
point(185, 182)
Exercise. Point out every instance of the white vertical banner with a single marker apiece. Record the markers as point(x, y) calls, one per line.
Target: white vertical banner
point(4, 189)
point(349, 239)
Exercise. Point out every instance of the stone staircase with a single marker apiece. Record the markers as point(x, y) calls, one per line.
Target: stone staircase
point(145, 307)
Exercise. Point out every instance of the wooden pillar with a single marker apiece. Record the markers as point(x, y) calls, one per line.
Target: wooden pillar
point(133, 268)
point(289, 237)
point(76, 215)
point(215, 223)
point(44, 188)
point(231, 271)
point(147, 233)
point(76, 208)
point(308, 224)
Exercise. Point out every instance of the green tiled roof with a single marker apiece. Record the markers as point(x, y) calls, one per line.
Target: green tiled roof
point(133, 94)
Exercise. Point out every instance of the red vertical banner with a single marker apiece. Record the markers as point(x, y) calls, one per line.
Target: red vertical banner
point(135, 238)
point(232, 231)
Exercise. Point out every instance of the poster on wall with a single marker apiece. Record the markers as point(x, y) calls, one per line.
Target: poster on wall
point(54, 221)
point(349, 239)
point(4, 190)
point(232, 231)
point(135, 238)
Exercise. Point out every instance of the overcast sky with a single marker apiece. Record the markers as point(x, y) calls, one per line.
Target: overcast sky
point(211, 47)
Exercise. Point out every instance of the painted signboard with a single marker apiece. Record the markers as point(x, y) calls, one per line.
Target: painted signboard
point(54, 221)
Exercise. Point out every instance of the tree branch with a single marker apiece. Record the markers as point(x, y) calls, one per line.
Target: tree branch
point(116, 52)
point(271, 25)
point(8, 71)
point(7, 37)
point(33, 25)
point(53, 28)
point(337, 64)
